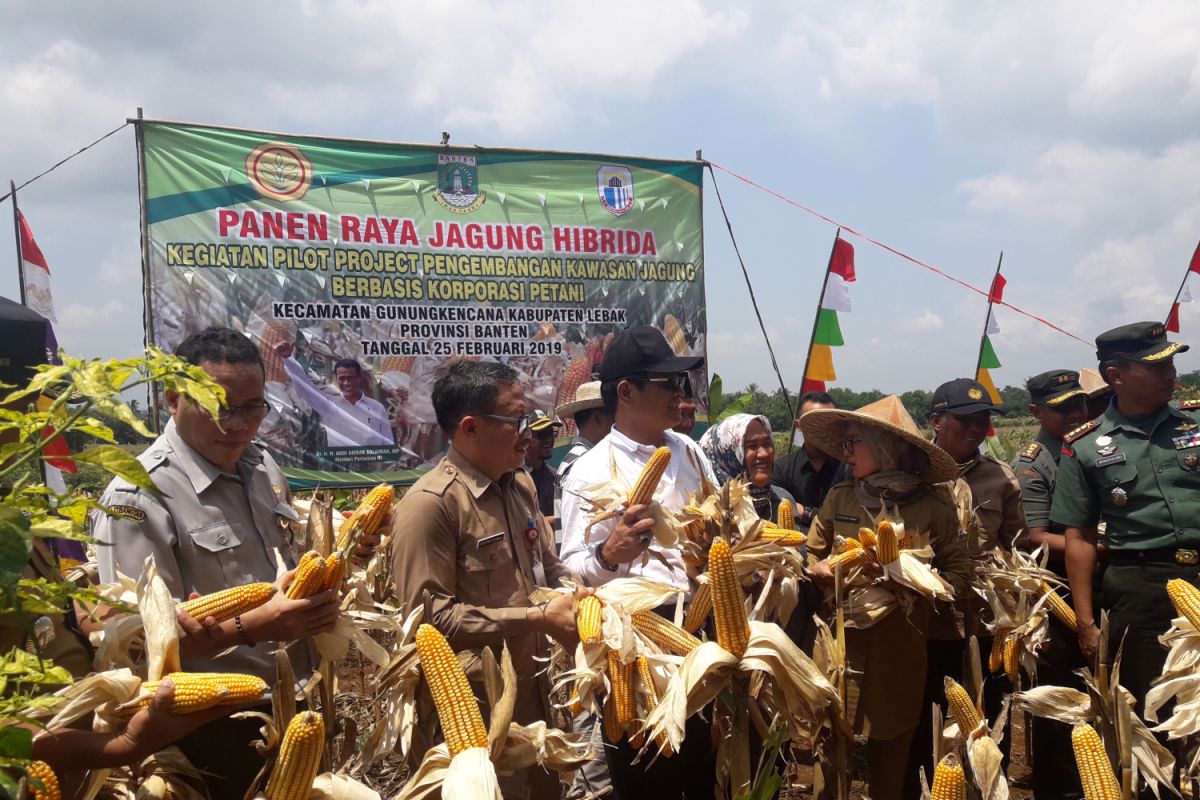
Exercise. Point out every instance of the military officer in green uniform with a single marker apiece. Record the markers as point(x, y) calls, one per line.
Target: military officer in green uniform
point(1059, 405)
point(1137, 469)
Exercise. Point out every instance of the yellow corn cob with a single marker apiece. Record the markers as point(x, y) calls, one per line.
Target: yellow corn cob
point(729, 604)
point(673, 333)
point(667, 635)
point(699, 609)
point(1095, 770)
point(310, 577)
point(41, 772)
point(575, 705)
point(949, 782)
point(652, 473)
point(1060, 608)
point(868, 539)
point(787, 516)
point(368, 515)
point(613, 732)
point(228, 603)
point(299, 758)
point(620, 681)
point(783, 538)
point(587, 619)
point(196, 691)
point(1186, 599)
point(847, 557)
point(847, 544)
point(457, 708)
point(996, 657)
point(962, 707)
point(335, 572)
point(887, 547)
point(650, 692)
point(907, 542)
point(1012, 661)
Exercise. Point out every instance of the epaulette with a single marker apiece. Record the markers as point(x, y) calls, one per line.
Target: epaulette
point(437, 480)
point(1079, 432)
point(1030, 453)
point(1189, 405)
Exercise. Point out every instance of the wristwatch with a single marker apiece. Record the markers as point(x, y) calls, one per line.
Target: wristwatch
point(598, 554)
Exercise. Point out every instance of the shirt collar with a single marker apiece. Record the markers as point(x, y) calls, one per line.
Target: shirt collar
point(200, 471)
point(623, 442)
point(475, 481)
point(1051, 443)
point(1114, 417)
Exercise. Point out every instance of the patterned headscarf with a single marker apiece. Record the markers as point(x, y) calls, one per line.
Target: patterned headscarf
point(724, 445)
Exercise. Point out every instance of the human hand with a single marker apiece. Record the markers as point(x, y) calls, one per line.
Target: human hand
point(821, 573)
point(367, 543)
point(1089, 639)
point(556, 617)
point(630, 538)
point(156, 726)
point(282, 619)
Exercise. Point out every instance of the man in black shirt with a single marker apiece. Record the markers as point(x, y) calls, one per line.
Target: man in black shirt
point(807, 473)
point(541, 449)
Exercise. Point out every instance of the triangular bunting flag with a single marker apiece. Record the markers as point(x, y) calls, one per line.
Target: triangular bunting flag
point(837, 294)
point(820, 364)
point(1173, 319)
point(812, 386)
point(997, 293)
point(1195, 265)
point(1185, 294)
point(985, 379)
point(842, 262)
point(829, 332)
point(993, 327)
point(987, 358)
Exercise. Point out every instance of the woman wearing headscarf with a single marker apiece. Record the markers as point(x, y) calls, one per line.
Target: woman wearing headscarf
point(740, 446)
point(895, 470)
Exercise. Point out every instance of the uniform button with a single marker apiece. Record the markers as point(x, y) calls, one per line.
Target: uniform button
point(221, 538)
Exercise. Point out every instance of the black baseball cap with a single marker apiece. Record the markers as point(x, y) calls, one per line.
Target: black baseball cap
point(1140, 341)
point(961, 396)
point(1055, 387)
point(640, 351)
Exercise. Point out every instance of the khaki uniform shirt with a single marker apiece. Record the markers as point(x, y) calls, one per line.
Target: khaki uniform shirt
point(887, 661)
point(996, 497)
point(1139, 476)
point(207, 531)
point(479, 548)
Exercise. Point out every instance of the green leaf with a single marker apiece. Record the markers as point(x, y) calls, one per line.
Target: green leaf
point(15, 545)
point(119, 463)
point(16, 743)
point(50, 527)
point(96, 430)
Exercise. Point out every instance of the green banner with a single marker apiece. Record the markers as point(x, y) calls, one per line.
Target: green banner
point(361, 269)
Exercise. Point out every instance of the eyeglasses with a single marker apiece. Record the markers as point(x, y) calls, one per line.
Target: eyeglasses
point(672, 383)
point(250, 412)
point(522, 423)
point(849, 443)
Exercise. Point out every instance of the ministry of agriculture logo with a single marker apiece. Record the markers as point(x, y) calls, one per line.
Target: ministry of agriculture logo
point(279, 171)
point(458, 184)
point(615, 185)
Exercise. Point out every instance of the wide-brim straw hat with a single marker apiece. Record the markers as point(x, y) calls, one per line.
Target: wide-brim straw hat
point(1091, 382)
point(586, 396)
point(825, 429)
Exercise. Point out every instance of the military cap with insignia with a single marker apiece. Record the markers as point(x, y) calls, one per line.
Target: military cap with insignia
point(1054, 387)
point(1139, 341)
point(960, 397)
point(540, 421)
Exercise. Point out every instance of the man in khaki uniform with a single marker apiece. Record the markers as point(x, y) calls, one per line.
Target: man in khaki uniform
point(469, 539)
point(218, 522)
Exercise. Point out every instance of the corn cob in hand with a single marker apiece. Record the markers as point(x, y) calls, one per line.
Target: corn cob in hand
point(457, 708)
point(643, 491)
point(229, 603)
point(196, 691)
point(367, 518)
point(299, 758)
point(41, 772)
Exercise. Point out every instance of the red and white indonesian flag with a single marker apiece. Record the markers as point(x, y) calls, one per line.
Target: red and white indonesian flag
point(36, 273)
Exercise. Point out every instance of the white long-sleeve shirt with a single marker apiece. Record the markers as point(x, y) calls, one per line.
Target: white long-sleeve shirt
point(595, 466)
point(361, 424)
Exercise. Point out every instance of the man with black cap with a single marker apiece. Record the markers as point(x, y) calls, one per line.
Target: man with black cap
point(1059, 405)
point(541, 450)
point(1135, 468)
point(642, 384)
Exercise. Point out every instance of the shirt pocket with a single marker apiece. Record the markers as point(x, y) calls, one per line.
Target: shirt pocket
point(491, 571)
point(216, 550)
point(1123, 474)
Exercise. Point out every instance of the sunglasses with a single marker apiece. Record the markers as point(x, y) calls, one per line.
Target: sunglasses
point(672, 383)
point(522, 423)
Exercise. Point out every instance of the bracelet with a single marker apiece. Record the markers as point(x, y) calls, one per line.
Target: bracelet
point(598, 552)
point(237, 621)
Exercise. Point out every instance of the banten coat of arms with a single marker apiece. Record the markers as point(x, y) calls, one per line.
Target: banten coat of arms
point(615, 185)
point(458, 184)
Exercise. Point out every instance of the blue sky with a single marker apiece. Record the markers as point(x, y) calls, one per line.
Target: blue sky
point(1062, 135)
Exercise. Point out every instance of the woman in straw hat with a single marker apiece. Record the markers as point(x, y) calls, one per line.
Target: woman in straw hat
point(894, 471)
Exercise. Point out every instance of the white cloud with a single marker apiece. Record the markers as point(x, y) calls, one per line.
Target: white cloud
point(927, 320)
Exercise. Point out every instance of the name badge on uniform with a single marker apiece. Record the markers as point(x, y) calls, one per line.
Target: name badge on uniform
point(845, 518)
point(485, 541)
point(1187, 440)
point(1108, 461)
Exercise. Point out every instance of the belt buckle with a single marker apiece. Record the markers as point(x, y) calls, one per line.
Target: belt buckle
point(1187, 557)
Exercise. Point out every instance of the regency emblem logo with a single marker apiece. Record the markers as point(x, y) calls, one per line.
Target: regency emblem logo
point(279, 171)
